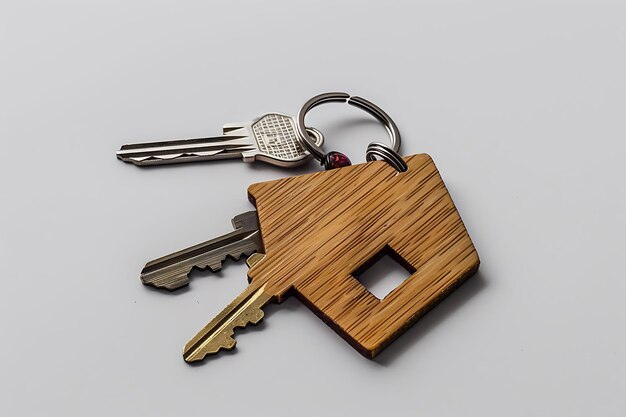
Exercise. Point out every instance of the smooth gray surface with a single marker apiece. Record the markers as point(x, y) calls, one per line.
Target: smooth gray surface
point(521, 106)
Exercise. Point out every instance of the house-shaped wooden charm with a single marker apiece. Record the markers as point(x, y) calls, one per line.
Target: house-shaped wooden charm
point(320, 229)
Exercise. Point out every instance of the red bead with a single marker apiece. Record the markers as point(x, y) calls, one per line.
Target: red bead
point(335, 159)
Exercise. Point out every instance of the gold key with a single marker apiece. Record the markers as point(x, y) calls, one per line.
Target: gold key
point(319, 230)
point(216, 335)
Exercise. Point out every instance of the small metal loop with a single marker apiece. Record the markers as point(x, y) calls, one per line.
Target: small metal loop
point(316, 135)
point(384, 152)
point(316, 150)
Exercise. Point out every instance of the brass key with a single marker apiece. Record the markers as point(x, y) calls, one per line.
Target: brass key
point(216, 335)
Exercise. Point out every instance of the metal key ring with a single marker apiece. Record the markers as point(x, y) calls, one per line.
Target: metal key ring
point(363, 104)
point(384, 152)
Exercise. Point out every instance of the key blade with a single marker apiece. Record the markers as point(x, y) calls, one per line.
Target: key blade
point(183, 150)
point(179, 145)
point(218, 334)
point(172, 271)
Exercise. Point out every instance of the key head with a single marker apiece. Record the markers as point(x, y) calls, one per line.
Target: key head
point(320, 229)
point(276, 139)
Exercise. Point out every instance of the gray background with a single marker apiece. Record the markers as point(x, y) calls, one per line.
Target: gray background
point(521, 105)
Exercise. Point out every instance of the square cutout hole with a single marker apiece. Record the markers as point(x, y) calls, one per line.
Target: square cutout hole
point(384, 272)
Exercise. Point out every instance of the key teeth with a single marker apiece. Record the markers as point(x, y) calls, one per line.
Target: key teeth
point(259, 316)
point(175, 281)
point(234, 256)
point(216, 266)
point(197, 350)
point(170, 282)
point(228, 342)
point(133, 161)
point(238, 256)
point(220, 264)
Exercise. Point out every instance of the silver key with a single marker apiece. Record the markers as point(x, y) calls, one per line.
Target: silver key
point(272, 138)
point(172, 271)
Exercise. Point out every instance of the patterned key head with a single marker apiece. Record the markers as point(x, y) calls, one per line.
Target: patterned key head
point(276, 137)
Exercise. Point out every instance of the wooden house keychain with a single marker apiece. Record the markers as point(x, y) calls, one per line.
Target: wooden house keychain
point(311, 235)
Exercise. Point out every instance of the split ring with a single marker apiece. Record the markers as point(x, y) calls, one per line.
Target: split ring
point(316, 150)
point(380, 150)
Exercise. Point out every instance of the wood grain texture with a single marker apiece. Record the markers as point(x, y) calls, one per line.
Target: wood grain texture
point(319, 229)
